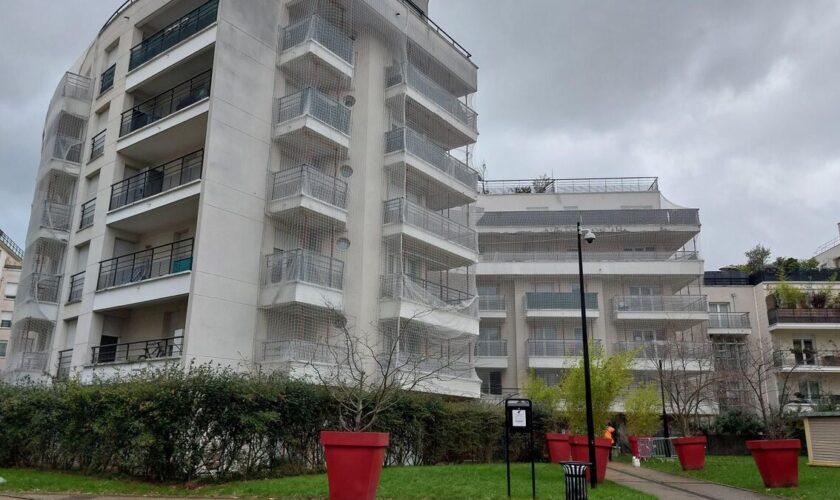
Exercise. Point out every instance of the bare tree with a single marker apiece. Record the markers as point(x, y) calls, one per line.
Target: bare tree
point(542, 183)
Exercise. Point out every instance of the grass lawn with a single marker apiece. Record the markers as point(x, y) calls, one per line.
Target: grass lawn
point(740, 471)
point(485, 481)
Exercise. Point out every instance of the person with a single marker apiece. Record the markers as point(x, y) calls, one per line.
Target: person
point(609, 434)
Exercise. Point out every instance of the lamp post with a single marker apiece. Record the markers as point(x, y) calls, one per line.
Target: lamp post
point(664, 414)
point(590, 424)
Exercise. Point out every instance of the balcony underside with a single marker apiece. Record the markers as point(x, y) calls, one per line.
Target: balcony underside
point(294, 207)
point(678, 319)
point(147, 292)
point(729, 331)
point(451, 254)
point(499, 362)
point(561, 362)
point(312, 62)
point(785, 327)
point(452, 386)
point(299, 292)
point(165, 209)
point(492, 314)
point(442, 127)
point(168, 137)
point(446, 323)
point(305, 133)
point(423, 173)
point(561, 313)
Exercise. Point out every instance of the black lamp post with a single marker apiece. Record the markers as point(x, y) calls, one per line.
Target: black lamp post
point(664, 414)
point(590, 424)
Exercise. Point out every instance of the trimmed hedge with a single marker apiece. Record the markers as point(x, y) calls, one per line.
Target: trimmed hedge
point(171, 425)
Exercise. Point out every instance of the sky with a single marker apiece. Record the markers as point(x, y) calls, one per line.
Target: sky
point(734, 106)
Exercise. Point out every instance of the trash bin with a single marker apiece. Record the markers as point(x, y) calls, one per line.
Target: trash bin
point(576, 482)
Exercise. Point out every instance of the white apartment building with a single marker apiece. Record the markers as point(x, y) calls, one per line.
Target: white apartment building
point(11, 256)
point(828, 254)
point(231, 182)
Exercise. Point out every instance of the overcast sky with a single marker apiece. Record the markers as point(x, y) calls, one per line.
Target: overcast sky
point(734, 106)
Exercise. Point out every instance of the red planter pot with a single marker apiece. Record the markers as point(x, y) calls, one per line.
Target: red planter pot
point(634, 445)
point(777, 461)
point(558, 447)
point(354, 462)
point(691, 451)
point(580, 452)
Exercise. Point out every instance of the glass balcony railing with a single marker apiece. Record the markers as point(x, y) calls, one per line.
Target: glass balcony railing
point(317, 29)
point(401, 210)
point(166, 103)
point(729, 320)
point(157, 180)
point(581, 185)
point(491, 303)
point(304, 266)
point(423, 84)
point(173, 34)
point(555, 348)
point(559, 300)
point(803, 358)
point(311, 102)
point(405, 139)
point(309, 181)
point(489, 254)
point(146, 264)
point(819, 316)
point(662, 349)
point(491, 348)
point(660, 303)
point(132, 352)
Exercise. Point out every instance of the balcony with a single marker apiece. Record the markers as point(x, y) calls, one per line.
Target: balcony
point(492, 306)
point(572, 186)
point(136, 352)
point(435, 304)
point(491, 354)
point(555, 353)
point(441, 375)
point(807, 360)
point(77, 285)
point(559, 305)
point(173, 34)
point(676, 354)
point(600, 221)
point(106, 81)
point(304, 351)
point(430, 160)
point(309, 116)
point(729, 323)
point(97, 146)
point(451, 122)
point(56, 216)
point(302, 276)
point(42, 288)
point(307, 188)
point(166, 103)
point(88, 210)
point(314, 44)
point(803, 319)
point(425, 226)
point(676, 308)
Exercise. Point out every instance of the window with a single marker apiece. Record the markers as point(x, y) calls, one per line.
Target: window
point(489, 333)
point(544, 287)
point(491, 382)
point(3, 345)
point(809, 390)
point(6, 319)
point(718, 307)
point(803, 351)
point(11, 290)
point(648, 336)
point(544, 332)
point(487, 290)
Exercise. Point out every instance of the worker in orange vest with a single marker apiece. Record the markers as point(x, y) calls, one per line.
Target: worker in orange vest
point(609, 433)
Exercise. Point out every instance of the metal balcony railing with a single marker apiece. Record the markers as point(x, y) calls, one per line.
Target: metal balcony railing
point(491, 303)
point(166, 103)
point(56, 216)
point(88, 210)
point(660, 303)
point(146, 264)
point(828, 245)
point(661, 349)
point(425, 291)
point(157, 180)
point(581, 185)
point(726, 278)
point(304, 266)
point(77, 284)
point(317, 29)
point(790, 358)
point(76, 86)
point(609, 218)
point(559, 300)
point(489, 255)
point(729, 320)
point(488, 348)
point(304, 351)
point(173, 34)
point(312, 102)
point(423, 84)
point(403, 211)
point(131, 352)
point(552, 348)
point(11, 245)
point(65, 358)
point(43, 288)
point(406, 139)
point(97, 145)
point(106, 81)
point(776, 316)
point(309, 181)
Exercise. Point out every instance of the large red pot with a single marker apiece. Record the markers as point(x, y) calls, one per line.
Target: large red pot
point(634, 445)
point(354, 462)
point(580, 453)
point(558, 447)
point(691, 451)
point(777, 461)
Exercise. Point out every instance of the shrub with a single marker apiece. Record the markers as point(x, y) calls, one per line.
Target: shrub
point(641, 409)
point(738, 422)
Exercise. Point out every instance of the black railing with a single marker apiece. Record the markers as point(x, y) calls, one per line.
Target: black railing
point(157, 180)
point(97, 145)
point(138, 266)
point(77, 284)
point(65, 358)
point(88, 210)
point(143, 350)
point(410, 287)
point(166, 103)
point(726, 278)
point(174, 34)
point(16, 250)
point(106, 81)
point(776, 316)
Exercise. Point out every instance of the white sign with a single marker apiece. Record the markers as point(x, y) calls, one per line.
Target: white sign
point(519, 418)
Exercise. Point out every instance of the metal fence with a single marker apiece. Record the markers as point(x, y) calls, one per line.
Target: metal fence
point(490, 348)
point(143, 350)
point(729, 320)
point(422, 83)
point(97, 145)
point(554, 348)
point(810, 316)
point(316, 104)
point(559, 300)
point(173, 34)
point(406, 139)
point(401, 210)
point(146, 264)
point(660, 303)
point(310, 181)
point(656, 447)
point(164, 104)
point(790, 358)
point(317, 29)
point(11, 245)
point(304, 266)
point(88, 210)
point(157, 180)
point(77, 284)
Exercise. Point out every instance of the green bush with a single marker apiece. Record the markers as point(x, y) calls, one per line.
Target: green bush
point(176, 425)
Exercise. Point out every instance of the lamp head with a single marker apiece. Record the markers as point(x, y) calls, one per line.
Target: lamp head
point(589, 236)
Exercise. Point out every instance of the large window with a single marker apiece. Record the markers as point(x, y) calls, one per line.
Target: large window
point(718, 307)
point(3, 345)
point(809, 390)
point(489, 332)
point(6, 319)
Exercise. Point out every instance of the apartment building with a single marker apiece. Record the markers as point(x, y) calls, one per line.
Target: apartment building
point(828, 254)
point(234, 182)
point(11, 256)
point(643, 277)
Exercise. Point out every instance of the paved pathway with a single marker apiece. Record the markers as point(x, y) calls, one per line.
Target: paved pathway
point(670, 487)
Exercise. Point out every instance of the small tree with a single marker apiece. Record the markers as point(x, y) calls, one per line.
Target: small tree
point(757, 258)
point(689, 379)
point(642, 409)
point(544, 395)
point(609, 377)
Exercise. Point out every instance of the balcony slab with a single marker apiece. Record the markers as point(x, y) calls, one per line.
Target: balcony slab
point(143, 292)
point(300, 292)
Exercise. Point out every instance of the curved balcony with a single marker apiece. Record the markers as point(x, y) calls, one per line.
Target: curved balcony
point(307, 188)
point(430, 228)
point(302, 276)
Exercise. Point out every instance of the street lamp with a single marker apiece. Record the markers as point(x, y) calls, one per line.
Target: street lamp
point(589, 236)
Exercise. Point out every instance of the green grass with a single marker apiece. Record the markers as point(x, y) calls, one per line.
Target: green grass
point(485, 481)
point(741, 471)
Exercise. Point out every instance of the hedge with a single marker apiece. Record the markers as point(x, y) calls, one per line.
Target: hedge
point(176, 425)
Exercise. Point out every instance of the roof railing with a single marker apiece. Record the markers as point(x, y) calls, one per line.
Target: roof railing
point(574, 185)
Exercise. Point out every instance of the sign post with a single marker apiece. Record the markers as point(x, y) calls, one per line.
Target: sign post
point(518, 419)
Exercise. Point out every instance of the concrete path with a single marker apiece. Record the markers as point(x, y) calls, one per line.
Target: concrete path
point(671, 487)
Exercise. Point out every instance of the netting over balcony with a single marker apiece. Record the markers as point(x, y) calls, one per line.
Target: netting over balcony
point(304, 266)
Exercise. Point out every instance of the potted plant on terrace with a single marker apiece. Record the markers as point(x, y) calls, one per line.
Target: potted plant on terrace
point(641, 409)
point(547, 397)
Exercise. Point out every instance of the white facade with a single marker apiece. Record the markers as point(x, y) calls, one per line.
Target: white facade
point(11, 256)
point(828, 254)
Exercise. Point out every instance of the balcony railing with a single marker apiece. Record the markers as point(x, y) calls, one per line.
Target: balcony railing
point(489, 255)
point(488, 348)
point(174, 34)
point(132, 352)
point(29, 361)
point(661, 349)
point(607, 218)
point(44, 288)
point(309, 181)
point(14, 247)
point(552, 348)
point(321, 31)
point(729, 320)
point(65, 358)
point(491, 303)
point(660, 303)
point(726, 278)
point(106, 81)
point(313, 103)
point(75, 86)
point(583, 185)
point(146, 264)
point(776, 316)
point(97, 145)
point(166, 103)
point(56, 216)
point(304, 266)
point(304, 351)
point(435, 365)
point(401, 210)
point(157, 180)
point(828, 245)
point(423, 291)
point(87, 213)
point(559, 300)
point(790, 358)
point(77, 284)
point(422, 83)
point(405, 139)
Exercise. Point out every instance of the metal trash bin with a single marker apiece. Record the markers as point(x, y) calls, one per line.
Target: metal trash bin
point(576, 483)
